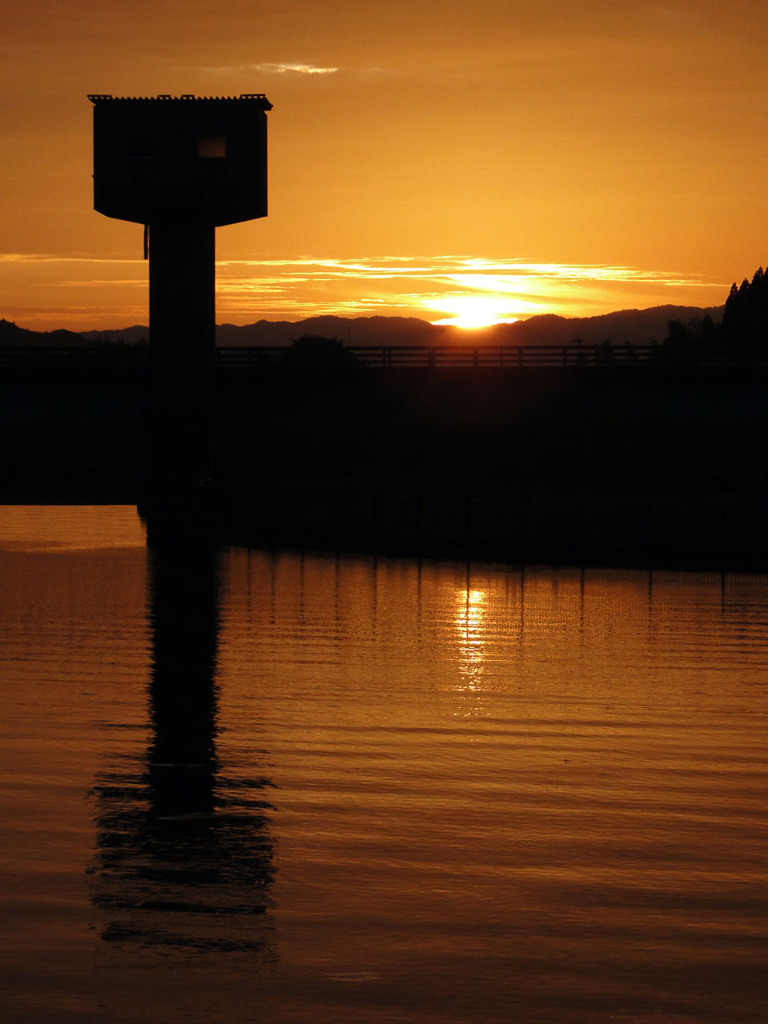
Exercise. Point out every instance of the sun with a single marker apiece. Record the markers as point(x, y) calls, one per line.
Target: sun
point(473, 311)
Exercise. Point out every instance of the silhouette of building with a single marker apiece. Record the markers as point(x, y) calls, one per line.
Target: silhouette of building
point(181, 166)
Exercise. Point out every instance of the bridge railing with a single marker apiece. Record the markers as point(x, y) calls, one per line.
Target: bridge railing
point(86, 356)
point(440, 356)
point(378, 356)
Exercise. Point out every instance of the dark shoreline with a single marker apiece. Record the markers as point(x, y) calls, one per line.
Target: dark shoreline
point(655, 467)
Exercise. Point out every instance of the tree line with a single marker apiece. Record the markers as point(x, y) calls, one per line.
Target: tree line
point(741, 336)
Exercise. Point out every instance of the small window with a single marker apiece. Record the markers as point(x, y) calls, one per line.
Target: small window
point(212, 147)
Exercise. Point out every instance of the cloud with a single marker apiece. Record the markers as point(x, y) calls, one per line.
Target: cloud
point(301, 69)
point(278, 68)
point(293, 288)
point(306, 286)
point(42, 257)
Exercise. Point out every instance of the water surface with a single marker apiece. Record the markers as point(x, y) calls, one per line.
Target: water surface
point(246, 786)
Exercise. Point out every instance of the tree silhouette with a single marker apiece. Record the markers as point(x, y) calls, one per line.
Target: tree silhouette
point(745, 317)
point(689, 342)
point(315, 352)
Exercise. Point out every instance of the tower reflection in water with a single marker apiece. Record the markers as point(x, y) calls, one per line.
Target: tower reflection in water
point(184, 858)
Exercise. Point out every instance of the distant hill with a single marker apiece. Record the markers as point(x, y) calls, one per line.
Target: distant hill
point(631, 326)
point(12, 336)
point(635, 326)
point(136, 335)
point(362, 330)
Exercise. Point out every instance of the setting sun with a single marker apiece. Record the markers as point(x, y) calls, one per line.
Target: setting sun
point(473, 311)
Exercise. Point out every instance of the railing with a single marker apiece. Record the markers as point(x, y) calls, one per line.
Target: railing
point(440, 356)
point(376, 356)
point(55, 356)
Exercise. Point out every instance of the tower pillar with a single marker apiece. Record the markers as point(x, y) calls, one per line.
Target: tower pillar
point(182, 341)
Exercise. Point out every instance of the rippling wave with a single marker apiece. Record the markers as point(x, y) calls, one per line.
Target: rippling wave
point(245, 785)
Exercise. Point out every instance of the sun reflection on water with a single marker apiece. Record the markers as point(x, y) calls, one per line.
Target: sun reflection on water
point(471, 629)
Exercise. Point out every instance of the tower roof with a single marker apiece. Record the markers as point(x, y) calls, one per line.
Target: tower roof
point(256, 98)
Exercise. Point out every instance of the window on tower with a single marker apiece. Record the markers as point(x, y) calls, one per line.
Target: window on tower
point(212, 147)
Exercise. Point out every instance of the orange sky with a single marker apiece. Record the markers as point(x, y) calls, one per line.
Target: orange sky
point(548, 157)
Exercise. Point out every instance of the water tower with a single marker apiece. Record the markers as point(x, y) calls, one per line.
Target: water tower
point(181, 166)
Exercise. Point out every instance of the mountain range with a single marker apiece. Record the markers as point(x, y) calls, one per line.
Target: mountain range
point(631, 326)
